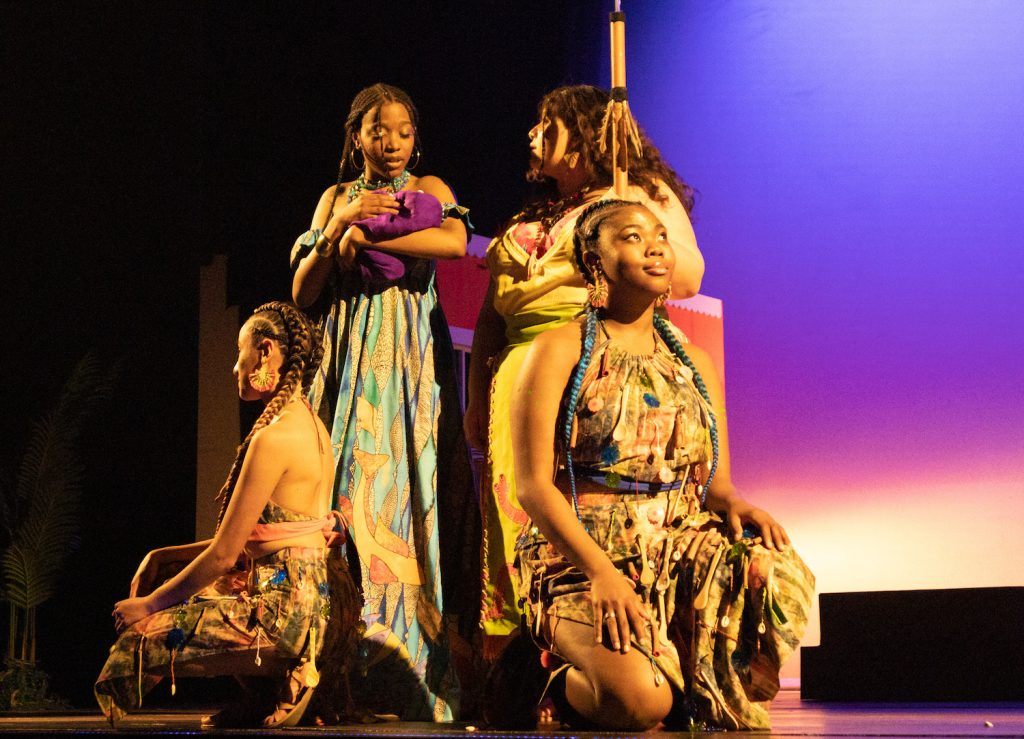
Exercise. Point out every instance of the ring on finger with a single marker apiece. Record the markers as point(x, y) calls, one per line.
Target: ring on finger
point(609, 616)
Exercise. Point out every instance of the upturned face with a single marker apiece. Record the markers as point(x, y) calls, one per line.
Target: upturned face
point(634, 252)
point(387, 139)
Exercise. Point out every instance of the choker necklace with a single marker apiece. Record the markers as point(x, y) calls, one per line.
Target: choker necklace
point(393, 185)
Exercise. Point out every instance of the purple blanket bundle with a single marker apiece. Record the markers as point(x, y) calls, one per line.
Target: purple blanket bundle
point(416, 211)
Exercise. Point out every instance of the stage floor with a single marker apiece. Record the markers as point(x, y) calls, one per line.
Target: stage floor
point(790, 716)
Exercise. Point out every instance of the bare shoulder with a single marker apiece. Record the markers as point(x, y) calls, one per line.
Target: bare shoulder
point(271, 439)
point(677, 332)
point(694, 352)
point(705, 365)
point(335, 191)
point(289, 432)
point(562, 340)
point(553, 354)
point(433, 185)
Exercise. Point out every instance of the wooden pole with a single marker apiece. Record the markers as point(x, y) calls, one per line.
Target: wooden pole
point(620, 154)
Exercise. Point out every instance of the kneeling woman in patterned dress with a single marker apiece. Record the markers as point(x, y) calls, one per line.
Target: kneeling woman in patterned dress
point(275, 512)
point(665, 597)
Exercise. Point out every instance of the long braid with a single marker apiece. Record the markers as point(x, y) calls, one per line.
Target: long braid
point(664, 330)
point(585, 237)
point(302, 349)
point(366, 100)
point(575, 383)
point(338, 187)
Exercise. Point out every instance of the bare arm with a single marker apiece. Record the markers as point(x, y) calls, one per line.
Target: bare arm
point(488, 341)
point(263, 467)
point(689, 269)
point(312, 271)
point(723, 498)
point(537, 396)
point(149, 569)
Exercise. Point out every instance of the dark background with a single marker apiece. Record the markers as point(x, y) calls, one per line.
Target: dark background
point(138, 141)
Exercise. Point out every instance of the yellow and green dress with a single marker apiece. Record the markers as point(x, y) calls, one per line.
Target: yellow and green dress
point(536, 288)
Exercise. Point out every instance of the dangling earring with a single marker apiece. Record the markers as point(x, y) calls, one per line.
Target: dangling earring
point(352, 158)
point(574, 159)
point(664, 297)
point(597, 292)
point(263, 380)
point(419, 155)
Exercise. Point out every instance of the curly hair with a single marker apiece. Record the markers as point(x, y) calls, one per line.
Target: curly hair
point(303, 351)
point(582, 109)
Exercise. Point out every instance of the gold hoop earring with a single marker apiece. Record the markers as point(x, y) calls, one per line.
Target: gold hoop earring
point(352, 158)
point(419, 155)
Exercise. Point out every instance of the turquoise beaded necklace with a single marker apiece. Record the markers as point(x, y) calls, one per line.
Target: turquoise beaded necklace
point(392, 185)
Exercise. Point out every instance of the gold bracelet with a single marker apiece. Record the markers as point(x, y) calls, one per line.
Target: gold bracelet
point(323, 247)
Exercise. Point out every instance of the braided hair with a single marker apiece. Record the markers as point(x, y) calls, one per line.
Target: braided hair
point(585, 240)
point(370, 98)
point(664, 329)
point(582, 109)
point(303, 351)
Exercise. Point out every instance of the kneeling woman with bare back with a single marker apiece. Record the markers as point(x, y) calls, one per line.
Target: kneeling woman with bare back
point(666, 596)
point(275, 511)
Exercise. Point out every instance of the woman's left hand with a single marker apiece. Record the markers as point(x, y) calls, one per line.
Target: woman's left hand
point(130, 611)
point(739, 512)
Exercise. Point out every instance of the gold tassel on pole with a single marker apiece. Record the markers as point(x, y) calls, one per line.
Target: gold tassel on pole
point(618, 129)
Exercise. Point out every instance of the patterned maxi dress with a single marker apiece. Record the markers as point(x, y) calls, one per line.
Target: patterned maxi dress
point(726, 615)
point(387, 391)
point(280, 615)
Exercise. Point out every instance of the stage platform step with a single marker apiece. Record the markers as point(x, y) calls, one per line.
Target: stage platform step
point(918, 645)
point(790, 717)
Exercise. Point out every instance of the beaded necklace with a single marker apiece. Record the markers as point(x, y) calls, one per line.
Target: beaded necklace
point(557, 209)
point(393, 185)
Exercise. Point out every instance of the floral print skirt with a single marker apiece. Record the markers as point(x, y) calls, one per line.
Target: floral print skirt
point(726, 614)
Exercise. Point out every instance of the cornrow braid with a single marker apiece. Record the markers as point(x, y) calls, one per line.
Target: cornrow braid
point(664, 330)
point(339, 185)
point(575, 383)
point(303, 351)
point(588, 230)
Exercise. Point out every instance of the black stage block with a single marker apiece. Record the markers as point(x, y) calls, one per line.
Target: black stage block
point(918, 645)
